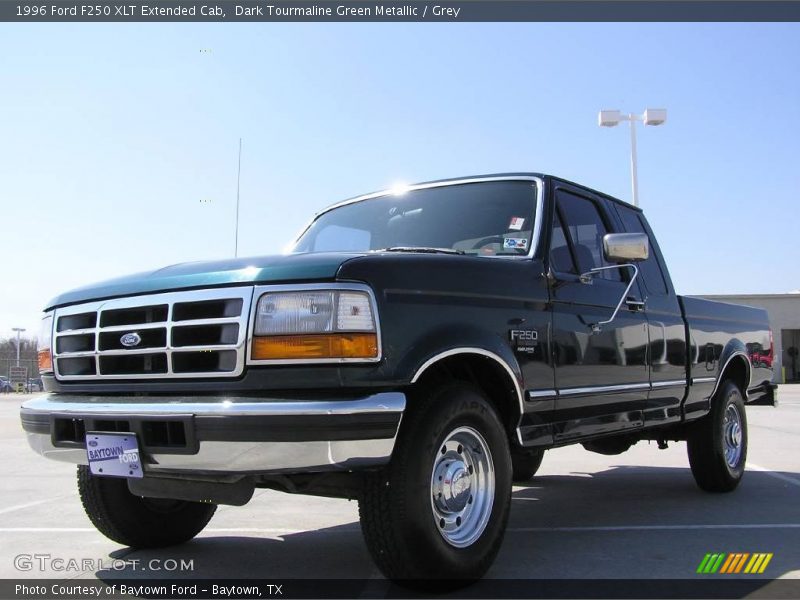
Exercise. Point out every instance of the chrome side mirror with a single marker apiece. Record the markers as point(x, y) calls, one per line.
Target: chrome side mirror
point(626, 247)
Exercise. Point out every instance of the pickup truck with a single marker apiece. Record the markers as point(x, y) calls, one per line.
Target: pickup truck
point(759, 356)
point(418, 349)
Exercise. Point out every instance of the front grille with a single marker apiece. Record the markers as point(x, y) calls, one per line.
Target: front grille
point(179, 334)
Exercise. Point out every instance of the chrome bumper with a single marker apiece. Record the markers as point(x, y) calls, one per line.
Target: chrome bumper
point(224, 435)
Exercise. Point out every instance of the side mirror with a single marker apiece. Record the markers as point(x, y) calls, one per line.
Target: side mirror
point(626, 247)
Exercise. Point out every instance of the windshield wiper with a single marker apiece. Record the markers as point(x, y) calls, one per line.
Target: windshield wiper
point(422, 249)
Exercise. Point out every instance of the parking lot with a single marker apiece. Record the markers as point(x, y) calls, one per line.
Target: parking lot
point(636, 515)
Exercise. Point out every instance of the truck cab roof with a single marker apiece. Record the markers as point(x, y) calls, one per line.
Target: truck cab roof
point(486, 177)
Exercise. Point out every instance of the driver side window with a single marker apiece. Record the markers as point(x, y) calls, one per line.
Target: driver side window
point(577, 242)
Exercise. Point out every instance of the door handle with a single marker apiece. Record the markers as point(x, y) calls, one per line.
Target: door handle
point(635, 305)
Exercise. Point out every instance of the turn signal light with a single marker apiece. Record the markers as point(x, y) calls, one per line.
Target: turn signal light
point(45, 360)
point(327, 345)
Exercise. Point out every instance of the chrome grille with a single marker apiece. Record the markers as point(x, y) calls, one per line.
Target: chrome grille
point(178, 334)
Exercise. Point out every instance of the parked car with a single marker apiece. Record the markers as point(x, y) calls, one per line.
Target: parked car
point(34, 385)
point(5, 385)
point(417, 350)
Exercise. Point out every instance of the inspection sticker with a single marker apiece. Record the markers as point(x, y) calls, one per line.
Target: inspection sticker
point(515, 243)
point(516, 223)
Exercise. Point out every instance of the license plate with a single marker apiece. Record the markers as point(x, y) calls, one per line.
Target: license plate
point(114, 454)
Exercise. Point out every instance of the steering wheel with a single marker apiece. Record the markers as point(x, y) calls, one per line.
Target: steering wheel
point(492, 239)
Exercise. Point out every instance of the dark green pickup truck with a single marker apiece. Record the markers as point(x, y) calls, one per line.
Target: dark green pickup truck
point(417, 350)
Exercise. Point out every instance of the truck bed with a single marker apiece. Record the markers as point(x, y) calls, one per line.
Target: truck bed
point(716, 332)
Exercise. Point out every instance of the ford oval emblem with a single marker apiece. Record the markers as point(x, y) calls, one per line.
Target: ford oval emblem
point(93, 443)
point(130, 340)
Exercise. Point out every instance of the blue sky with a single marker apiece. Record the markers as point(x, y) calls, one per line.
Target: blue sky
point(118, 142)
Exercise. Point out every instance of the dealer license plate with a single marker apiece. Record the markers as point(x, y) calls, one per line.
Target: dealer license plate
point(113, 454)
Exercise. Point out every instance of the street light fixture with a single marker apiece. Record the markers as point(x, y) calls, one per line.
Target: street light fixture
point(651, 116)
point(18, 330)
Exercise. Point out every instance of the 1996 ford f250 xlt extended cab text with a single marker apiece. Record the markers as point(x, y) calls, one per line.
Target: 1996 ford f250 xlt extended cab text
point(417, 350)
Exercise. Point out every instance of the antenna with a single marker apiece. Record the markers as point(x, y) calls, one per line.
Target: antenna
point(238, 178)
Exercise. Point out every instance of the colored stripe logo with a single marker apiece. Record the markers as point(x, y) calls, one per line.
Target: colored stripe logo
point(735, 562)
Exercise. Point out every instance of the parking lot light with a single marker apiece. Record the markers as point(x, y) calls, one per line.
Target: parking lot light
point(651, 116)
point(18, 330)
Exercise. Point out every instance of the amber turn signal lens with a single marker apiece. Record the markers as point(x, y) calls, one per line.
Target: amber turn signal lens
point(45, 361)
point(326, 345)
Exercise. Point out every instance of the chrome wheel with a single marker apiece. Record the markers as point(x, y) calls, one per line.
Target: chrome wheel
point(732, 435)
point(462, 487)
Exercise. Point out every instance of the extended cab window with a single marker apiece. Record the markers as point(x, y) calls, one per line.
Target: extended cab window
point(585, 229)
point(651, 271)
point(560, 255)
point(486, 218)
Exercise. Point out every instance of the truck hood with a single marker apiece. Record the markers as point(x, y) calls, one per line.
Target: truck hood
point(256, 270)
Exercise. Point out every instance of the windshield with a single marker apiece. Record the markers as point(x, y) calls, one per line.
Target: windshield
point(486, 218)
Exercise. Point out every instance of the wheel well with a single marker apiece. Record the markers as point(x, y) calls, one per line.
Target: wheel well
point(737, 370)
point(483, 372)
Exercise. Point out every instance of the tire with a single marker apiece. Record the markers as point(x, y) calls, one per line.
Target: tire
point(403, 506)
point(717, 444)
point(139, 522)
point(525, 464)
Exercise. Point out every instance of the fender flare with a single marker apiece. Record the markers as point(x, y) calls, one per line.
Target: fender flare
point(468, 341)
point(734, 350)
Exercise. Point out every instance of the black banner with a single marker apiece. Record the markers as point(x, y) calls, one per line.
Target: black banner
point(388, 11)
point(716, 586)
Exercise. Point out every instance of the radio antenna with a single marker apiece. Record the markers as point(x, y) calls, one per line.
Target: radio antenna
point(238, 179)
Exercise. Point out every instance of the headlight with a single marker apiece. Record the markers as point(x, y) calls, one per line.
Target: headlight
point(315, 324)
point(44, 344)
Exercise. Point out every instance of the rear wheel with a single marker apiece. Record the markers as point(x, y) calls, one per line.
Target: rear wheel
point(525, 464)
point(439, 509)
point(135, 521)
point(717, 444)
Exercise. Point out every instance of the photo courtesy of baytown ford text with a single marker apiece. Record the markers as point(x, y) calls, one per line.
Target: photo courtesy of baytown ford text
point(482, 299)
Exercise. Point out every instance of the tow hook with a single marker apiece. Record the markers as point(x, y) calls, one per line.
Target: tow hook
point(662, 444)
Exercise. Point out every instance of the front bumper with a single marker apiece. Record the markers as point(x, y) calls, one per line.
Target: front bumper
point(213, 435)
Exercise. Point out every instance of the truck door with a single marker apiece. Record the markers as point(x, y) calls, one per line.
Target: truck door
point(667, 348)
point(601, 377)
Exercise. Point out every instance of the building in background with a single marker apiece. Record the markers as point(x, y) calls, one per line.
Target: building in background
point(784, 318)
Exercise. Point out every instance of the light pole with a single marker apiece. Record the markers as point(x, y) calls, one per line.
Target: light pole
point(651, 116)
point(18, 330)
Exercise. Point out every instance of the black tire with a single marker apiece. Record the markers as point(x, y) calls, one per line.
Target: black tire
point(139, 522)
point(397, 507)
point(710, 437)
point(525, 464)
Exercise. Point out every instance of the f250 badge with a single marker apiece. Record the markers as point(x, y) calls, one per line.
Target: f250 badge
point(524, 340)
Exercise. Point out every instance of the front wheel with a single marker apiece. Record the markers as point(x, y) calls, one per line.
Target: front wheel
point(139, 522)
point(717, 444)
point(439, 510)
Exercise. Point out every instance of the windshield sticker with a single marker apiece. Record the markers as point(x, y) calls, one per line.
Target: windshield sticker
point(515, 243)
point(516, 223)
